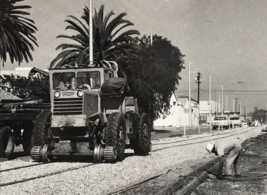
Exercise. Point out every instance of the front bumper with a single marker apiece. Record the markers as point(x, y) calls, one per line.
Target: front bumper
point(68, 121)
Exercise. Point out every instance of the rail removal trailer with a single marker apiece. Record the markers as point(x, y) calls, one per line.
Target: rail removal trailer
point(17, 119)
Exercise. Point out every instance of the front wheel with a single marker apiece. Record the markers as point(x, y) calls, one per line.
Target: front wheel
point(115, 136)
point(41, 127)
point(142, 145)
point(40, 132)
point(6, 142)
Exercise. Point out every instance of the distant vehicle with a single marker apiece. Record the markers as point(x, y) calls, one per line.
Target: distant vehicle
point(249, 123)
point(244, 124)
point(235, 121)
point(220, 122)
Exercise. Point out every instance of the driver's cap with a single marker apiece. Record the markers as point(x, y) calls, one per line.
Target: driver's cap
point(210, 146)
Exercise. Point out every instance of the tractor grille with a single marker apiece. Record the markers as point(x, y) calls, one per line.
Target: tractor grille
point(67, 106)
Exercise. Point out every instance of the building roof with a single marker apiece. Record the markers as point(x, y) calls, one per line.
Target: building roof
point(24, 71)
point(183, 101)
point(7, 96)
point(35, 70)
point(186, 97)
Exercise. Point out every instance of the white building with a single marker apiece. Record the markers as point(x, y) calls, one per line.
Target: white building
point(194, 111)
point(204, 111)
point(21, 71)
point(172, 118)
point(179, 113)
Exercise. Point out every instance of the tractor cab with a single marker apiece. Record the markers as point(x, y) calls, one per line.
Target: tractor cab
point(75, 94)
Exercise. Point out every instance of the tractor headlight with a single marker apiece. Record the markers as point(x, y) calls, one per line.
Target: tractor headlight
point(80, 93)
point(57, 94)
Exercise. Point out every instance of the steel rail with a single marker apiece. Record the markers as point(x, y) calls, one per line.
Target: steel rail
point(196, 180)
point(84, 166)
point(45, 175)
point(207, 138)
point(22, 167)
point(184, 183)
point(198, 137)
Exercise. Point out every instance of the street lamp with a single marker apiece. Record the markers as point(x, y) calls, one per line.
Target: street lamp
point(189, 96)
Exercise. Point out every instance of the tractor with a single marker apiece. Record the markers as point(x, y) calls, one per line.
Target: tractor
point(92, 114)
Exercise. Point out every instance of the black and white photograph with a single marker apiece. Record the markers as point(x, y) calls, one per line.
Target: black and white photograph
point(133, 97)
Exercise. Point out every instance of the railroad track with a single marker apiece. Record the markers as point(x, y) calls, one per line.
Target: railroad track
point(22, 180)
point(183, 184)
point(228, 132)
point(48, 174)
point(21, 167)
point(215, 137)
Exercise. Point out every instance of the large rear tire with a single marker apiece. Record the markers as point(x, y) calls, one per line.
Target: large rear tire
point(6, 142)
point(142, 144)
point(41, 127)
point(115, 135)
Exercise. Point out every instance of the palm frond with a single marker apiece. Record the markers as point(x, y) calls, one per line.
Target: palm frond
point(78, 38)
point(17, 31)
point(108, 36)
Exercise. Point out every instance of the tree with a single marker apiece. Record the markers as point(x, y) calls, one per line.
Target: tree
point(154, 75)
point(151, 70)
point(16, 32)
point(110, 39)
point(28, 88)
point(255, 115)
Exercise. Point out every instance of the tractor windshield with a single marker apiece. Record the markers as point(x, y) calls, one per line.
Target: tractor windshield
point(62, 80)
point(90, 78)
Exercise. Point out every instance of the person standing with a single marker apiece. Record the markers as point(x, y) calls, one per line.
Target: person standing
point(229, 152)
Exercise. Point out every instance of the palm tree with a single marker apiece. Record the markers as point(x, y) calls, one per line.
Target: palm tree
point(16, 32)
point(109, 42)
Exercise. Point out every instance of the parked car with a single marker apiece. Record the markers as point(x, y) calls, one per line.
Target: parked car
point(235, 121)
point(220, 122)
point(244, 123)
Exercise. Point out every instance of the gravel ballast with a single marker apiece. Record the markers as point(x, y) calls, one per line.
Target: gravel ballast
point(182, 153)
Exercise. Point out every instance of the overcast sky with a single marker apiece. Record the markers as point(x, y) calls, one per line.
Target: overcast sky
point(225, 39)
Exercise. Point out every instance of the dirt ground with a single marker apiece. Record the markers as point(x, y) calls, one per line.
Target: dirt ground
point(253, 164)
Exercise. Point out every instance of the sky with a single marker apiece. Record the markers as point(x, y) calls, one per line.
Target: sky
point(223, 40)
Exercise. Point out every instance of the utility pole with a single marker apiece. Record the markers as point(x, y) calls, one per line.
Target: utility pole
point(236, 104)
point(226, 102)
point(189, 96)
point(210, 104)
point(91, 57)
point(220, 105)
point(198, 85)
point(233, 105)
point(217, 102)
point(240, 109)
point(222, 99)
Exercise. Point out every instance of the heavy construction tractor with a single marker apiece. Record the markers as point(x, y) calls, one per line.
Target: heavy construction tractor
point(90, 115)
